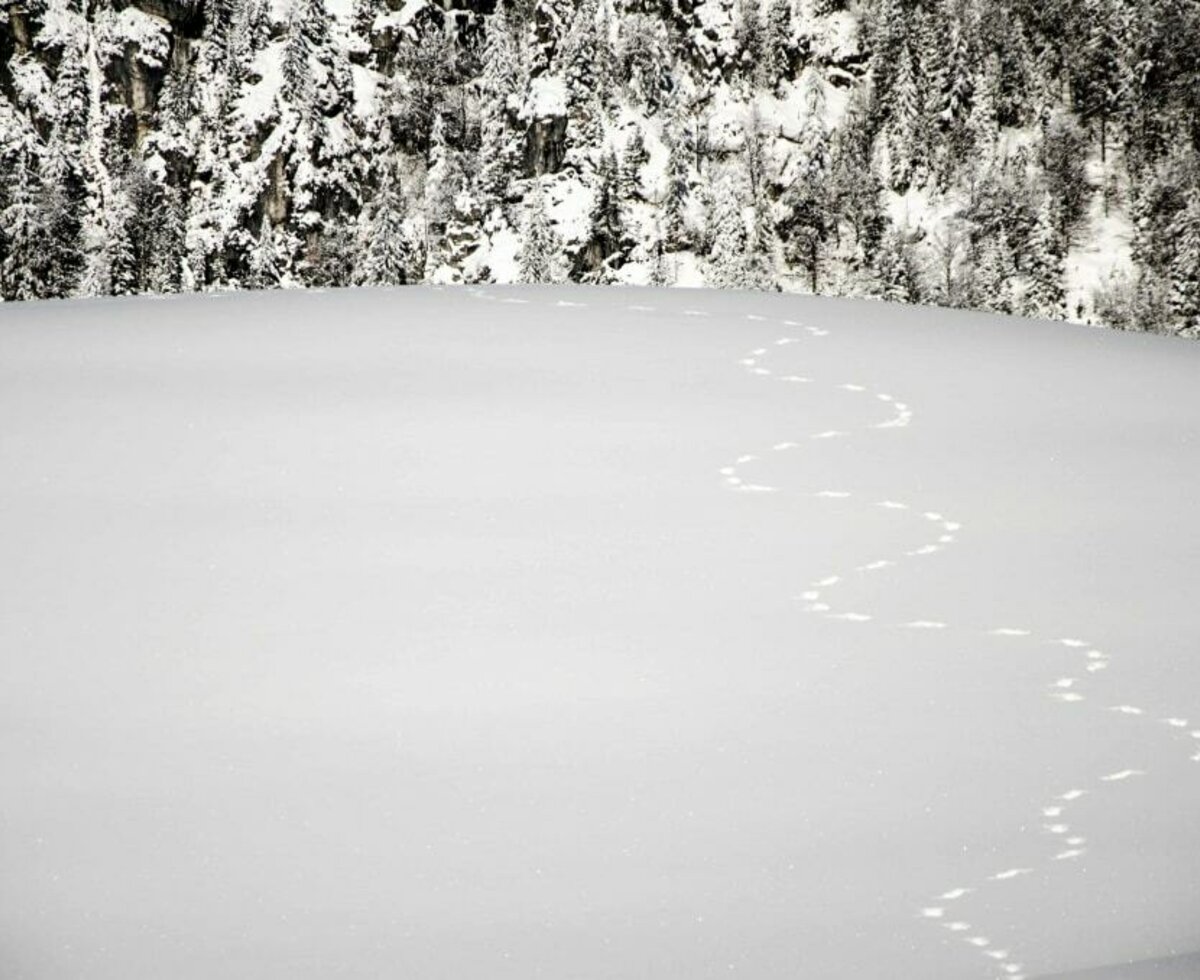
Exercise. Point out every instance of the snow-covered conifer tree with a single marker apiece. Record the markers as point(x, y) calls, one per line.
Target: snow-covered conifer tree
point(1185, 266)
point(1046, 295)
point(388, 258)
point(540, 244)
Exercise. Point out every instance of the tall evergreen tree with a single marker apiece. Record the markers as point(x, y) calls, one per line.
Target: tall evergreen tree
point(388, 258)
point(1046, 296)
point(540, 244)
point(1185, 267)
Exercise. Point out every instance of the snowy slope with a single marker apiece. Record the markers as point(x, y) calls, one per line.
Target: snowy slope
point(426, 633)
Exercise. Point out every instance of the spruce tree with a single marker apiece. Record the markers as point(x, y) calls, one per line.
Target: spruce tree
point(264, 262)
point(21, 231)
point(1185, 266)
point(728, 265)
point(540, 244)
point(633, 159)
point(388, 256)
point(1046, 295)
point(607, 218)
point(677, 190)
point(905, 154)
point(777, 43)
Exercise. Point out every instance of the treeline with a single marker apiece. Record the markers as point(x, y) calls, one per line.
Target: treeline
point(946, 151)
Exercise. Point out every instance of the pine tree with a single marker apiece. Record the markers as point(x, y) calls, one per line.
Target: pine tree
point(1100, 83)
point(264, 263)
point(813, 139)
point(388, 257)
point(170, 255)
point(904, 152)
point(633, 159)
point(1046, 296)
point(750, 40)
point(728, 267)
point(499, 78)
point(984, 121)
point(896, 269)
point(994, 276)
point(677, 190)
point(761, 244)
point(1185, 267)
point(21, 231)
point(662, 271)
point(778, 42)
point(540, 244)
point(607, 218)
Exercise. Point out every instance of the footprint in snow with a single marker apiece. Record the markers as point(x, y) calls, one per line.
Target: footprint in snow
point(1067, 855)
point(924, 624)
point(755, 316)
point(1009, 631)
point(1127, 709)
point(759, 352)
point(1117, 777)
point(1052, 811)
point(876, 565)
point(1070, 697)
point(1176, 722)
point(642, 309)
point(851, 617)
point(831, 434)
point(850, 387)
point(954, 893)
point(958, 926)
point(1073, 794)
point(780, 446)
point(928, 549)
point(1010, 874)
point(833, 494)
point(1073, 643)
point(979, 941)
point(796, 379)
point(826, 582)
point(569, 303)
point(892, 505)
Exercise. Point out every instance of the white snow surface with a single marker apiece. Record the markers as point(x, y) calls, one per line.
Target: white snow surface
point(434, 633)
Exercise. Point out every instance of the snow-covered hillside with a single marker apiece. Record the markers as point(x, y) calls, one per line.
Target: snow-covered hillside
point(1006, 155)
point(593, 633)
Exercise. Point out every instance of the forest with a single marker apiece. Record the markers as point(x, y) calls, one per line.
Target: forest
point(1034, 157)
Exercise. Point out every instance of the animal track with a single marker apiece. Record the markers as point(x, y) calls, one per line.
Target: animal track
point(1064, 689)
point(1068, 846)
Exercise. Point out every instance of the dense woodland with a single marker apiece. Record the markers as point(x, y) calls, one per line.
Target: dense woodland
point(1025, 156)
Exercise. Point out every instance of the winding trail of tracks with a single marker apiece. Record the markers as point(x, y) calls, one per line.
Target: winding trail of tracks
point(1064, 841)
